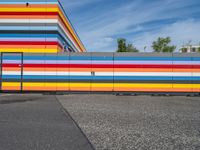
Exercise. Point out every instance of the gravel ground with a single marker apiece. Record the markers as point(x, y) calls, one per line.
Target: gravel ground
point(141, 122)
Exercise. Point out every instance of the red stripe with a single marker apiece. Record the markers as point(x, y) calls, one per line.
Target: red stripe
point(155, 66)
point(110, 66)
point(28, 43)
point(28, 13)
point(11, 65)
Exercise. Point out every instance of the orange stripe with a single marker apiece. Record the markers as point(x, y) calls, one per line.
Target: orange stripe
point(11, 88)
point(154, 70)
point(63, 88)
point(151, 90)
point(11, 69)
point(45, 69)
point(29, 88)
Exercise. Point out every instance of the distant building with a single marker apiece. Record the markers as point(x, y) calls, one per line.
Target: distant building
point(190, 49)
point(36, 26)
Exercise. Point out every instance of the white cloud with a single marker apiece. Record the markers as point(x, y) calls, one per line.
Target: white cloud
point(98, 26)
point(180, 32)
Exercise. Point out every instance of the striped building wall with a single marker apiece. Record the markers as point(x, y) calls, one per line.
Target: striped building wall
point(100, 72)
point(36, 26)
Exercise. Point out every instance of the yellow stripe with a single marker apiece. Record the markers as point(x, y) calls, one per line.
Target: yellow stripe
point(29, 9)
point(46, 84)
point(29, 50)
point(11, 84)
point(121, 85)
point(140, 85)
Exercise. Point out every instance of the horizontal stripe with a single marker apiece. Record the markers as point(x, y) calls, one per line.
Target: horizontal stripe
point(111, 66)
point(29, 39)
point(30, 34)
point(150, 58)
point(107, 69)
point(138, 85)
point(97, 62)
point(28, 20)
point(28, 13)
point(45, 61)
point(28, 9)
point(157, 62)
point(28, 43)
point(25, 24)
point(72, 77)
point(107, 81)
point(127, 74)
point(44, 50)
point(29, 28)
point(17, 2)
point(46, 57)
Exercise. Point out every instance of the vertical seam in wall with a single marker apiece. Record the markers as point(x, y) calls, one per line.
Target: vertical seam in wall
point(1, 72)
point(22, 70)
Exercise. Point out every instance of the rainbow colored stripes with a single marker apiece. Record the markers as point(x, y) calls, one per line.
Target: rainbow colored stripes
point(101, 72)
point(39, 27)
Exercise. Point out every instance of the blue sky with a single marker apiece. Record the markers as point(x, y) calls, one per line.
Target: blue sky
point(100, 22)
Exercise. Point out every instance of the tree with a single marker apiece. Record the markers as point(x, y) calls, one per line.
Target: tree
point(199, 49)
point(123, 47)
point(162, 45)
point(131, 48)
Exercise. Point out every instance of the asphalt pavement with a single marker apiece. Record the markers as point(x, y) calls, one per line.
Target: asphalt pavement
point(37, 122)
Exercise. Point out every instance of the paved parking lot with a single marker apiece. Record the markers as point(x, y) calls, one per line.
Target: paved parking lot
point(37, 122)
point(141, 122)
point(110, 122)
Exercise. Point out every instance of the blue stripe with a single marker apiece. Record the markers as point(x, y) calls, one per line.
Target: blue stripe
point(44, 77)
point(46, 58)
point(100, 77)
point(80, 57)
point(11, 76)
point(28, 35)
point(18, 57)
point(102, 58)
point(148, 58)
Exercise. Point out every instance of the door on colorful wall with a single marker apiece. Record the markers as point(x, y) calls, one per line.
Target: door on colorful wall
point(11, 71)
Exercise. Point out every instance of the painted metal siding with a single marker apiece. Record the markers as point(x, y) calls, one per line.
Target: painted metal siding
point(39, 27)
point(100, 72)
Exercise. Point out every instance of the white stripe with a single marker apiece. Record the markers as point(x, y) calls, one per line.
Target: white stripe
point(56, 73)
point(63, 73)
point(28, 21)
point(11, 72)
point(153, 74)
